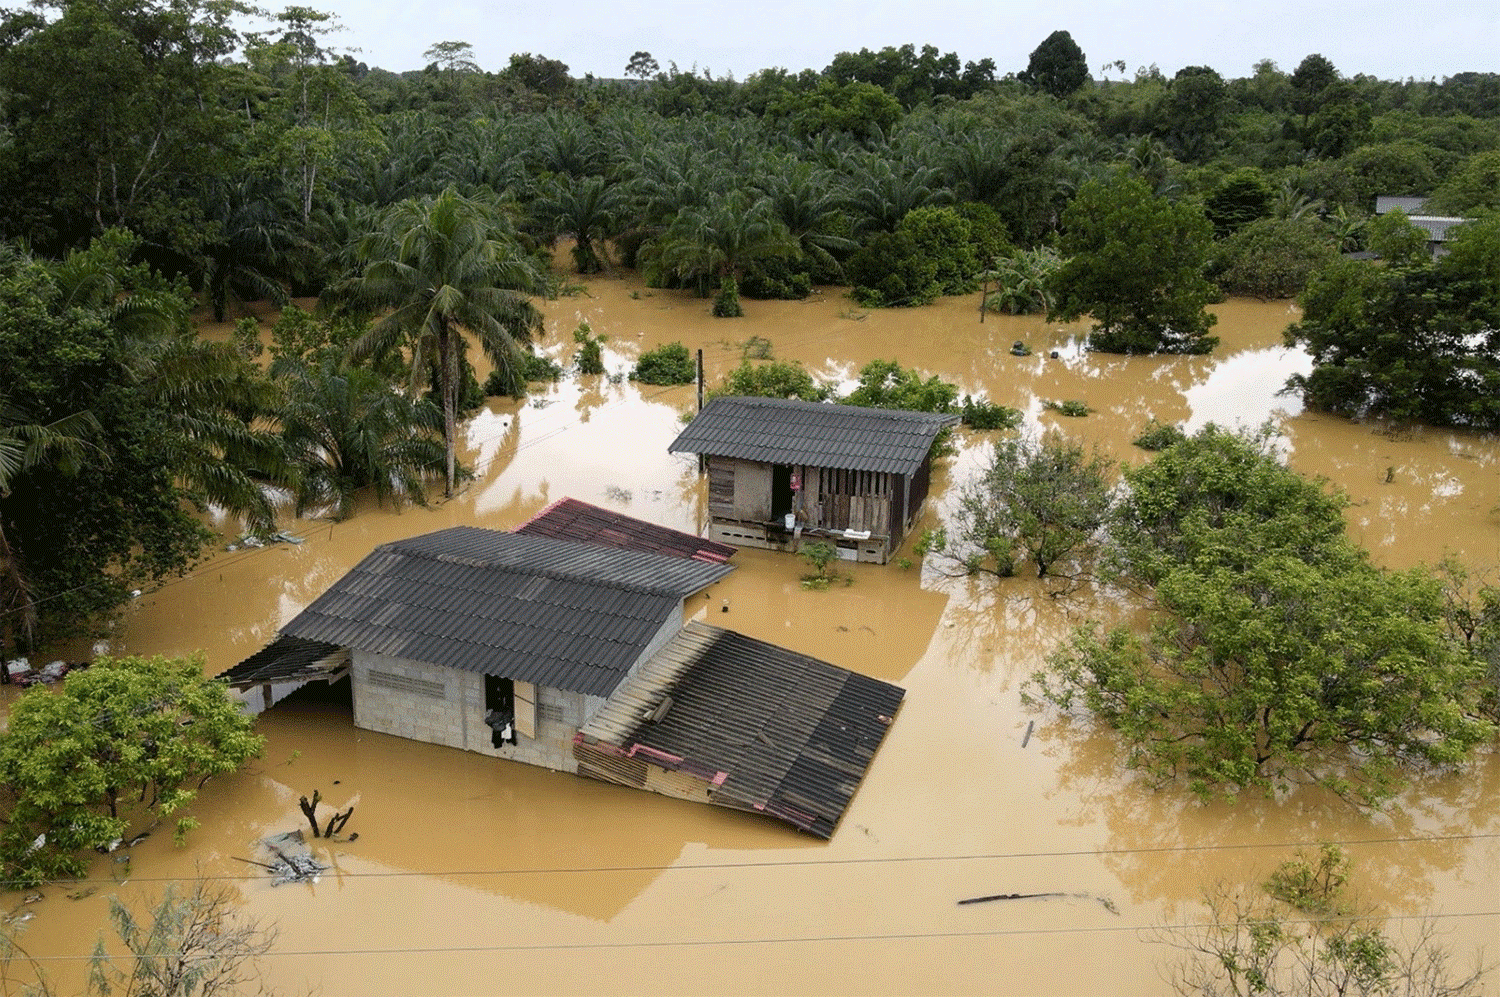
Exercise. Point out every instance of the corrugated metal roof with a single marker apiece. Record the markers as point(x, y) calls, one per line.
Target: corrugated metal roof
point(1435, 226)
point(567, 615)
point(570, 519)
point(285, 659)
point(791, 735)
point(1391, 202)
point(784, 431)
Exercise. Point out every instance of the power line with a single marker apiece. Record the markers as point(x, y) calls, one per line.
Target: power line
point(835, 862)
point(898, 936)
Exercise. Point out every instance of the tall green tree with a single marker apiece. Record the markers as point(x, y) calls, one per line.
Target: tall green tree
point(179, 425)
point(437, 268)
point(1057, 66)
point(1135, 263)
point(116, 110)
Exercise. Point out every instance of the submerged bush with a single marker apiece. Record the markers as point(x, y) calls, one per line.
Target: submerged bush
point(667, 364)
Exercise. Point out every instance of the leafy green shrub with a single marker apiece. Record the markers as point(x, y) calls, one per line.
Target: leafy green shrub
point(670, 363)
point(987, 415)
point(590, 358)
point(727, 302)
point(776, 379)
point(777, 278)
point(1159, 436)
point(886, 384)
point(1024, 279)
point(932, 252)
point(821, 555)
point(512, 382)
point(1072, 407)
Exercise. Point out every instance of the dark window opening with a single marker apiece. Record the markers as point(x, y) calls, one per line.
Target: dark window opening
point(500, 710)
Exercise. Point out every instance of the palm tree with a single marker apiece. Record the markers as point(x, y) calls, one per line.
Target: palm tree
point(211, 399)
point(440, 266)
point(345, 429)
point(587, 209)
point(716, 241)
point(27, 446)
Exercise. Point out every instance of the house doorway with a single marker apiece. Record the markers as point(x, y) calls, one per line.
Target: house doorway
point(782, 496)
point(500, 710)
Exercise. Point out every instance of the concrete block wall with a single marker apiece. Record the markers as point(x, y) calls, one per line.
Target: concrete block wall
point(457, 719)
point(409, 712)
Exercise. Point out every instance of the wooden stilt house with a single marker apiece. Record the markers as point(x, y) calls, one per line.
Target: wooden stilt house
point(781, 472)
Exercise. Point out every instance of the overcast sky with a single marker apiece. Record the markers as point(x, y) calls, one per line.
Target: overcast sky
point(1380, 38)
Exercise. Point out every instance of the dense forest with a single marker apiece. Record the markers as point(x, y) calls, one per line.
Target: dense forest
point(155, 158)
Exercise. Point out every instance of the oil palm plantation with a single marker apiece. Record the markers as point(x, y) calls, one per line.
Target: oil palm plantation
point(439, 267)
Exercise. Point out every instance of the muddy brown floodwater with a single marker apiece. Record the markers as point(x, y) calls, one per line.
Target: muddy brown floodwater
point(477, 876)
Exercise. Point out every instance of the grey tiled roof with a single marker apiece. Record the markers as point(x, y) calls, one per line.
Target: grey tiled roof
point(1392, 202)
point(767, 729)
point(567, 615)
point(781, 431)
point(1435, 226)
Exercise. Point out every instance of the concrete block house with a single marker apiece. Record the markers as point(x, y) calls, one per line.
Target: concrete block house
point(563, 645)
point(783, 470)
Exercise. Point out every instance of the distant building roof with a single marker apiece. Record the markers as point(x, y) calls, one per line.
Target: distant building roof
point(570, 519)
point(559, 613)
point(1389, 202)
point(1436, 227)
point(766, 729)
point(782, 431)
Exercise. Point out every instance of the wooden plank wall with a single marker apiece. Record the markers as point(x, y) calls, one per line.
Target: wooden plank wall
point(854, 500)
point(721, 488)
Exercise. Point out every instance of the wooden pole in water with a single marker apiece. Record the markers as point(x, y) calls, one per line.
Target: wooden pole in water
point(702, 458)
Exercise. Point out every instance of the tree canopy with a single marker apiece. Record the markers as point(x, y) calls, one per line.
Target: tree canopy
point(1280, 655)
point(1135, 264)
point(1057, 66)
point(126, 738)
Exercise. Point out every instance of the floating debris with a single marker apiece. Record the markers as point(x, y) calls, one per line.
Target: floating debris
point(1107, 903)
point(293, 861)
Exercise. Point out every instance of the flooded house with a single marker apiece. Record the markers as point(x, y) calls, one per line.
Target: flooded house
point(567, 644)
point(781, 471)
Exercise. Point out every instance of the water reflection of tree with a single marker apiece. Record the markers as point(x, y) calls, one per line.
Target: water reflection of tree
point(1165, 847)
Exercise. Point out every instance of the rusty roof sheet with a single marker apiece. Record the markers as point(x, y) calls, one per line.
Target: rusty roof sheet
point(770, 730)
point(786, 431)
point(570, 519)
point(559, 613)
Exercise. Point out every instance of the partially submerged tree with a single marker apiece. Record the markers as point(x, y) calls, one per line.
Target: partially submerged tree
point(1300, 936)
point(1416, 342)
point(1039, 500)
point(1134, 263)
point(125, 739)
point(440, 267)
point(1280, 655)
point(193, 943)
